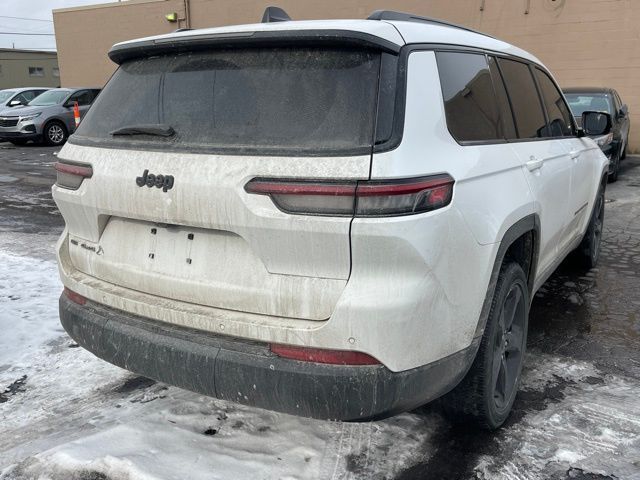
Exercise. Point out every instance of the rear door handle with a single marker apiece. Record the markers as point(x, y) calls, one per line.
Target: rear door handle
point(534, 164)
point(574, 154)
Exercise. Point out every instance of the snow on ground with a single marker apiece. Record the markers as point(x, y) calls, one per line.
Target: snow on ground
point(592, 423)
point(27, 287)
point(75, 413)
point(66, 415)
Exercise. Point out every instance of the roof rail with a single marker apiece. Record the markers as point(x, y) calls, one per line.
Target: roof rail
point(275, 14)
point(409, 17)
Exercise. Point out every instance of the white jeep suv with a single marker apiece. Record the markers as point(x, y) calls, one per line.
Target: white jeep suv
point(337, 219)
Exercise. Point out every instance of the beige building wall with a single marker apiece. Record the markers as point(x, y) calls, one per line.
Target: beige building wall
point(583, 42)
point(15, 65)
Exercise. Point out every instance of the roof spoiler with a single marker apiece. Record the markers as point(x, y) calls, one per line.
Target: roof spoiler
point(275, 14)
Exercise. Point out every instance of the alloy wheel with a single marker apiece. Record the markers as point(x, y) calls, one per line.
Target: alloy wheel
point(55, 134)
point(508, 347)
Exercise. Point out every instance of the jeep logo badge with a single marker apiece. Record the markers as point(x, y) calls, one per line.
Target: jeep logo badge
point(165, 182)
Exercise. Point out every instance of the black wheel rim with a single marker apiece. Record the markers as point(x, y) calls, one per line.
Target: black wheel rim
point(598, 222)
point(508, 347)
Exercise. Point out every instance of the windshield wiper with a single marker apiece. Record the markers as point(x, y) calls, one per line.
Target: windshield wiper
point(157, 129)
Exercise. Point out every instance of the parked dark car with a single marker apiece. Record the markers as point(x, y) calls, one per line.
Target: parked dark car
point(602, 99)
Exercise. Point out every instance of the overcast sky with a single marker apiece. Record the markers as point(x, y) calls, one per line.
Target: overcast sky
point(32, 9)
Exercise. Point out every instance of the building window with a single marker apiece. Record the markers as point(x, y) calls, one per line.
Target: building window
point(36, 72)
point(56, 72)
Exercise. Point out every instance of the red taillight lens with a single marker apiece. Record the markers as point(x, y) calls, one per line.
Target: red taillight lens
point(376, 198)
point(71, 175)
point(403, 197)
point(316, 355)
point(311, 198)
point(75, 297)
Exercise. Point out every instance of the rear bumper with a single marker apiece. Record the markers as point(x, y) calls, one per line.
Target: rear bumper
point(247, 372)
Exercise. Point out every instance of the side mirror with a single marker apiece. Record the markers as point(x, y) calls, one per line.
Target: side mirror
point(596, 123)
point(15, 103)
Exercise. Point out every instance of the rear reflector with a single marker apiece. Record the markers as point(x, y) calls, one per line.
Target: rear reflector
point(75, 297)
point(373, 198)
point(316, 355)
point(71, 175)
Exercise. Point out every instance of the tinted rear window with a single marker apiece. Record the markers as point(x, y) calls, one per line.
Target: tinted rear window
point(527, 109)
point(470, 103)
point(560, 122)
point(280, 100)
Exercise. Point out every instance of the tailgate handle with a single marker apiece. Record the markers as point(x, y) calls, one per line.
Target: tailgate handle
point(534, 164)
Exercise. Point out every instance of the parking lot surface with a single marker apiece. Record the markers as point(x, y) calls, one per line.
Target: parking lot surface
point(66, 415)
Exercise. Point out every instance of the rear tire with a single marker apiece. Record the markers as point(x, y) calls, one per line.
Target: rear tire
point(486, 394)
point(54, 133)
point(615, 167)
point(589, 249)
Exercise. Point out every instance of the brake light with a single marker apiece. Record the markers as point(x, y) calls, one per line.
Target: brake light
point(317, 355)
point(372, 198)
point(71, 175)
point(74, 297)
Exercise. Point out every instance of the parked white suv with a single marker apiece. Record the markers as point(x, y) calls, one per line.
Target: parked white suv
point(337, 219)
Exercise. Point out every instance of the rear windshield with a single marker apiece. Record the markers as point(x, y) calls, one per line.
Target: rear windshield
point(51, 97)
point(271, 101)
point(589, 102)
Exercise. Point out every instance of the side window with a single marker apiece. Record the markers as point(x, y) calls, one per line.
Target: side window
point(470, 104)
point(22, 98)
point(83, 97)
point(560, 122)
point(29, 95)
point(527, 109)
point(506, 115)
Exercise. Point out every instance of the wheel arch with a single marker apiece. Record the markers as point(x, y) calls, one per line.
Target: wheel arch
point(520, 242)
point(56, 120)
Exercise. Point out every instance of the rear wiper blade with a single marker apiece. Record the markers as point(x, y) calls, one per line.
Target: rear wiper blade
point(157, 129)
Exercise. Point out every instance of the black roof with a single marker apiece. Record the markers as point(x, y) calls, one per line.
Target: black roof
point(588, 90)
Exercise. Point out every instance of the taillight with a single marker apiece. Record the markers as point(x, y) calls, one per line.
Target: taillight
point(71, 175)
point(74, 297)
point(373, 198)
point(317, 355)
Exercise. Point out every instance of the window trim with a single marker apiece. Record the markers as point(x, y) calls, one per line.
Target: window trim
point(504, 86)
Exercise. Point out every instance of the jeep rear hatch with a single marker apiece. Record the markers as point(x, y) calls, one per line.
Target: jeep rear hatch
point(214, 120)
